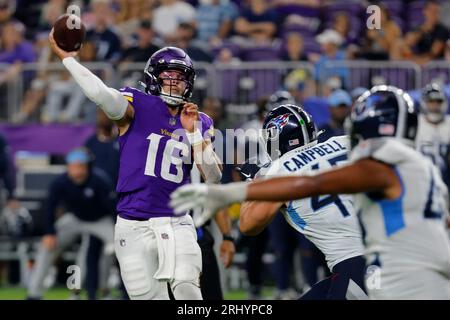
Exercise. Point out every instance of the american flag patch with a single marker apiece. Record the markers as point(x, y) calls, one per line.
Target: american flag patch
point(386, 129)
point(294, 142)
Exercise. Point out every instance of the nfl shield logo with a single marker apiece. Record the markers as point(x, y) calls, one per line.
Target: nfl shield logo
point(172, 121)
point(165, 236)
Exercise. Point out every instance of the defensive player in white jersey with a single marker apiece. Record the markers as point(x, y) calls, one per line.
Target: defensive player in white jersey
point(329, 221)
point(433, 136)
point(399, 195)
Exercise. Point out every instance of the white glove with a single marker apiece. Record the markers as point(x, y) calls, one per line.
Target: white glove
point(210, 198)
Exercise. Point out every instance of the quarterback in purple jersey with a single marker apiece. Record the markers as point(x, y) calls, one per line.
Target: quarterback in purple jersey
point(160, 131)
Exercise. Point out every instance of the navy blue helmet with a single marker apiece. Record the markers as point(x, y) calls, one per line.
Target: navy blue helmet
point(384, 111)
point(168, 59)
point(287, 127)
point(433, 102)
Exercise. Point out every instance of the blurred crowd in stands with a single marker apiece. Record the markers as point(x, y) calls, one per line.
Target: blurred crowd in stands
point(121, 32)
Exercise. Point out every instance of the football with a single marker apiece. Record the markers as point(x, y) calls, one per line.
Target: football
point(69, 32)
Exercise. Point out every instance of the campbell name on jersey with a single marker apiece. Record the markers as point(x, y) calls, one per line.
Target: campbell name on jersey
point(328, 221)
point(411, 225)
point(433, 141)
point(154, 159)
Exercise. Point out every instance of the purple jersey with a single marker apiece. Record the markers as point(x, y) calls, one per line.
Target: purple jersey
point(151, 162)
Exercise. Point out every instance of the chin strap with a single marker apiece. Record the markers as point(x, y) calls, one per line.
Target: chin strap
point(171, 100)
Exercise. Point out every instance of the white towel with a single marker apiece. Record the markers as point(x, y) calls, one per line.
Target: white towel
point(166, 248)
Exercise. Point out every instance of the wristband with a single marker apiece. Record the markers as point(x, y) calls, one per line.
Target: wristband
point(194, 137)
point(227, 238)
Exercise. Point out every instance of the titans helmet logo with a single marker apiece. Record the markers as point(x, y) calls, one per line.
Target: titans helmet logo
point(276, 125)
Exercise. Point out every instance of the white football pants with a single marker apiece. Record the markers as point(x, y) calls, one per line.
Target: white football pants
point(147, 264)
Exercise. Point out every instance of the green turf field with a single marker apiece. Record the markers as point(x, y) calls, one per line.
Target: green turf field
point(17, 293)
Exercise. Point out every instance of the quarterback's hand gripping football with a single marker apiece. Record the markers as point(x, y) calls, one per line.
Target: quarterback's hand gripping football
point(210, 198)
point(57, 50)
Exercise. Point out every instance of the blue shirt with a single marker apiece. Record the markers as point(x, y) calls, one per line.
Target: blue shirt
point(323, 71)
point(210, 17)
point(107, 43)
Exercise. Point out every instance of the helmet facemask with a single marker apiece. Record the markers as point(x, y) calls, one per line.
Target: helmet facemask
point(434, 103)
point(269, 140)
point(173, 87)
point(435, 110)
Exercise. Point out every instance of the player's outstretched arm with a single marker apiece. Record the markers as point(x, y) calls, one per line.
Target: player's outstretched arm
point(110, 100)
point(256, 215)
point(365, 175)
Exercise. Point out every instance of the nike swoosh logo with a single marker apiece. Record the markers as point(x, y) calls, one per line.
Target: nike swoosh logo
point(246, 175)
